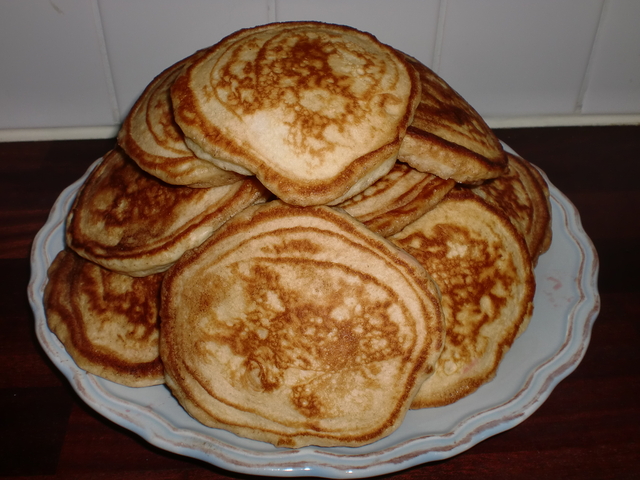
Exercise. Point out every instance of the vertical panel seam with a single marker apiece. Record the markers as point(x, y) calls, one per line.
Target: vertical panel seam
point(106, 64)
point(589, 68)
point(437, 48)
point(271, 11)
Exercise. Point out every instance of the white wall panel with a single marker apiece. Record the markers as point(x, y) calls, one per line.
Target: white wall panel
point(518, 57)
point(144, 37)
point(409, 25)
point(52, 70)
point(73, 68)
point(614, 81)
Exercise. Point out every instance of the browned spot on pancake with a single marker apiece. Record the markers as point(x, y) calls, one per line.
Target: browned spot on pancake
point(330, 323)
point(321, 343)
point(521, 195)
point(508, 193)
point(511, 199)
point(443, 112)
point(466, 285)
point(484, 272)
point(133, 195)
point(294, 72)
point(129, 221)
point(105, 294)
point(312, 109)
point(82, 298)
point(300, 245)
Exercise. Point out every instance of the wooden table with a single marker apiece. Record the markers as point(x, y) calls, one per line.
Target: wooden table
point(588, 428)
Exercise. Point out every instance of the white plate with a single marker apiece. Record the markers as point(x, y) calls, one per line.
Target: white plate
point(566, 305)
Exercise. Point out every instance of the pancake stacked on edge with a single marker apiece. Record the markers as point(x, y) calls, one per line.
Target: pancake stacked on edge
point(485, 275)
point(130, 222)
point(299, 326)
point(447, 137)
point(522, 195)
point(316, 111)
point(397, 199)
point(150, 136)
point(108, 322)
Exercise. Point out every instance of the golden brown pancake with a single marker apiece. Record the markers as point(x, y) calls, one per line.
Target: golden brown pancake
point(299, 326)
point(397, 199)
point(316, 111)
point(107, 322)
point(447, 137)
point(521, 196)
point(484, 272)
point(548, 235)
point(128, 221)
point(151, 137)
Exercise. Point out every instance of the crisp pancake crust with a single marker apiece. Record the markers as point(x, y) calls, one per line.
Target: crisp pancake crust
point(485, 275)
point(130, 222)
point(521, 195)
point(299, 326)
point(107, 322)
point(316, 111)
point(151, 137)
point(447, 137)
point(397, 199)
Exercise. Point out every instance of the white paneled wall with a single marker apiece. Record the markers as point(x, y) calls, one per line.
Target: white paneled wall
point(73, 68)
point(539, 53)
point(144, 37)
point(52, 72)
point(613, 83)
point(409, 25)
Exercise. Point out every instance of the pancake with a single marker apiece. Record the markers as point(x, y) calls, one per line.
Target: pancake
point(316, 111)
point(447, 137)
point(150, 136)
point(299, 326)
point(484, 272)
point(397, 199)
point(522, 195)
point(128, 221)
point(107, 322)
point(548, 234)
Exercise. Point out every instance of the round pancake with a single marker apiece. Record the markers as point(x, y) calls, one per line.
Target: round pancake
point(397, 199)
point(299, 326)
point(128, 221)
point(106, 321)
point(316, 111)
point(447, 137)
point(150, 136)
point(484, 272)
point(520, 194)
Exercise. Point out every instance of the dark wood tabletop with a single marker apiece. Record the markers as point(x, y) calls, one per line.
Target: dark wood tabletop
point(589, 427)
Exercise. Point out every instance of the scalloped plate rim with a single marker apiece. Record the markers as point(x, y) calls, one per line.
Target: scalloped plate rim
point(314, 461)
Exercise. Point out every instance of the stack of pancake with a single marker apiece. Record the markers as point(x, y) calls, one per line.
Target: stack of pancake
point(304, 233)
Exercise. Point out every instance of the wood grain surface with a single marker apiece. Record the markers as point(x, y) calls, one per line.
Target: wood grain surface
point(589, 427)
